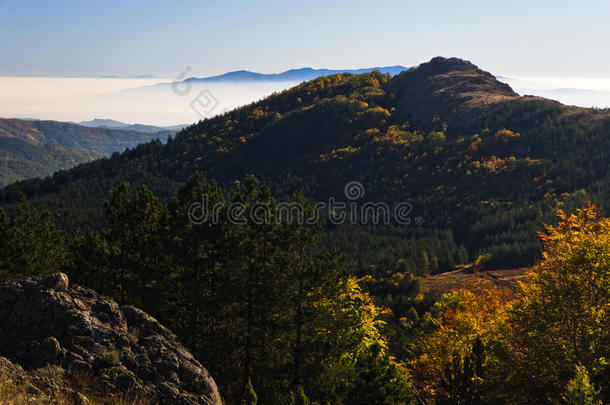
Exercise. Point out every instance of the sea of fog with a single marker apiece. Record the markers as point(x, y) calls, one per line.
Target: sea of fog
point(158, 102)
point(579, 91)
point(134, 101)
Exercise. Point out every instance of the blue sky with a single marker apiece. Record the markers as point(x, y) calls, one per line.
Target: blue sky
point(127, 38)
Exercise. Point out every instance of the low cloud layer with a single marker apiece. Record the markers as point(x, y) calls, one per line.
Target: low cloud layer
point(156, 102)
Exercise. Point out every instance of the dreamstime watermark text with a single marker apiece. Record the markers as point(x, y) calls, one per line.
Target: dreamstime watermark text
point(337, 212)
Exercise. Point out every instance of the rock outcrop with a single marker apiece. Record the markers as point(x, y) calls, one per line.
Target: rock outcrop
point(75, 334)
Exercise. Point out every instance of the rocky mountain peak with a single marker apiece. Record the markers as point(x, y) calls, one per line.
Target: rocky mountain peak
point(446, 88)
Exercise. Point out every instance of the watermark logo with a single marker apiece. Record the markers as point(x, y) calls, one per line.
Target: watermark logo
point(353, 190)
point(337, 212)
point(204, 103)
point(180, 86)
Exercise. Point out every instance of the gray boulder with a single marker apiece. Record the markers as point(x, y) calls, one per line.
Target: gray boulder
point(122, 350)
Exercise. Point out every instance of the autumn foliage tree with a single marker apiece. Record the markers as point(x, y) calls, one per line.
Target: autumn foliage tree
point(561, 316)
point(450, 366)
point(547, 342)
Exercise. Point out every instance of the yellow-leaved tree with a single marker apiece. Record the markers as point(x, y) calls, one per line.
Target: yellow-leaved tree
point(450, 364)
point(560, 322)
point(548, 342)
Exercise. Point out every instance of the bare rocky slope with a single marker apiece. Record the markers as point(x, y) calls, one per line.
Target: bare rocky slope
point(57, 339)
point(450, 89)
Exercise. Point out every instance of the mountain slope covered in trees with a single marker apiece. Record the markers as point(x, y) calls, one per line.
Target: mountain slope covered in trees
point(20, 159)
point(279, 315)
point(39, 148)
point(481, 165)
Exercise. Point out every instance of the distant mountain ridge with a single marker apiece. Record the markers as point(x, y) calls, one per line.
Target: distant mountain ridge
point(98, 122)
point(36, 148)
point(302, 74)
point(113, 124)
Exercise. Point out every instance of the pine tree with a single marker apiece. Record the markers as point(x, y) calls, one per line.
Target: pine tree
point(378, 380)
point(30, 244)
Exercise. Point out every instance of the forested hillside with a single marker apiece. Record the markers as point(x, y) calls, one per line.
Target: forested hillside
point(481, 165)
point(287, 311)
point(278, 319)
point(20, 159)
point(39, 148)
